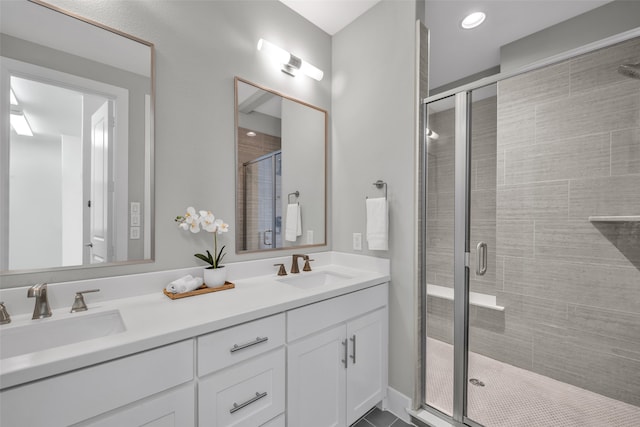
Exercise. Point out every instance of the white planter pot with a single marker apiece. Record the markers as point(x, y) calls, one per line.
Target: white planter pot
point(214, 277)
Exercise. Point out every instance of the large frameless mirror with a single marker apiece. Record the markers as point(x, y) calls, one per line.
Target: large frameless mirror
point(281, 170)
point(76, 152)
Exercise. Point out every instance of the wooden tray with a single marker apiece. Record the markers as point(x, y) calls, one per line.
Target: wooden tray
point(201, 290)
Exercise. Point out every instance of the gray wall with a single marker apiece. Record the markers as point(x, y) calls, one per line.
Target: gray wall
point(200, 46)
point(374, 124)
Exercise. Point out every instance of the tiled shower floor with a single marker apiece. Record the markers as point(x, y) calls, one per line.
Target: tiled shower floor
point(514, 397)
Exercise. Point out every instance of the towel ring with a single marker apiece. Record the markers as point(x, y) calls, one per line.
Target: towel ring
point(295, 193)
point(379, 184)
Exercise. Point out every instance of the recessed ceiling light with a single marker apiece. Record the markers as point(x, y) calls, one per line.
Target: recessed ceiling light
point(251, 133)
point(473, 20)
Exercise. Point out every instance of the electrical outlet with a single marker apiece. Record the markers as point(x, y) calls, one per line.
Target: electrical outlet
point(135, 220)
point(309, 237)
point(357, 241)
point(134, 233)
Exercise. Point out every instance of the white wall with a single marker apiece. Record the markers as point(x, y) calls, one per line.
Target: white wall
point(374, 126)
point(200, 46)
point(36, 181)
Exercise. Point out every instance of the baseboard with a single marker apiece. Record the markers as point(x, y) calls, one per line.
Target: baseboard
point(398, 404)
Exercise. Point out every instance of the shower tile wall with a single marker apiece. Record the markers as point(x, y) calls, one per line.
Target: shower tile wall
point(568, 147)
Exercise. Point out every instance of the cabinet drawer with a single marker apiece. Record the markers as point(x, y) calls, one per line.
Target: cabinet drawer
point(312, 318)
point(232, 345)
point(276, 422)
point(66, 399)
point(248, 394)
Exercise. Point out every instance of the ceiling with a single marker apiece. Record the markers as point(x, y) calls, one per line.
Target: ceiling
point(457, 53)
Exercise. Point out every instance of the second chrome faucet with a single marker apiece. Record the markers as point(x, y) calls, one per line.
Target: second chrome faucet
point(39, 292)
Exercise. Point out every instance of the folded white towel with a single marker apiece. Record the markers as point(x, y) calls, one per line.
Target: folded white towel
point(378, 224)
point(293, 228)
point(184, 284)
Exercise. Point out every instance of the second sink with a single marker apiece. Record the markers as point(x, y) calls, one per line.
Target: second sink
point(315, 279)
point(38, 335)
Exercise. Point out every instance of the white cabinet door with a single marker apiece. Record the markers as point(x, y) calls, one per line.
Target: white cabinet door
point(171, 409)
point(367, 371)
point(316, 380)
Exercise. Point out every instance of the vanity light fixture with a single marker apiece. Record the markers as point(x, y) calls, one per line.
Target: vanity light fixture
point(290, 63)
point(472, 20)
point(19, 122)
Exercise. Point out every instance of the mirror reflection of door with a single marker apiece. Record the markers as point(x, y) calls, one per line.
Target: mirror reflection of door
point(100, 197)
point(56, 173)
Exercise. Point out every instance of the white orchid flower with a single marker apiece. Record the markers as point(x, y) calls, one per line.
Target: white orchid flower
point(207, 220)
point(221, 227)
point(192, 220)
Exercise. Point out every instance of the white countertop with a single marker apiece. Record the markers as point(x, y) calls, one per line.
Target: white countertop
point(152, 319)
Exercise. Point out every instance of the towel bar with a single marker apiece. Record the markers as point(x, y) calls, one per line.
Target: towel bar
point(379, 184)
point(295, 193)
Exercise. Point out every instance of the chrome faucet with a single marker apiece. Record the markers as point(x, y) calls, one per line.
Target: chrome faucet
point(41, 308)
point(4, 315)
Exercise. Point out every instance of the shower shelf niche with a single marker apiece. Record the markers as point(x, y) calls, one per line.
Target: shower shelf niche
point(615, 218)
point(475, 298)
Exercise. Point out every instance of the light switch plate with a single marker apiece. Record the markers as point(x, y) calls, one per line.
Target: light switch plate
point(134, 233)
point(135, 208)
point(135, 220)
point(309, 237)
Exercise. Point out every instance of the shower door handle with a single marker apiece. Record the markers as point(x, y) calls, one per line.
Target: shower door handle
point(264, 238)
point(481, 259)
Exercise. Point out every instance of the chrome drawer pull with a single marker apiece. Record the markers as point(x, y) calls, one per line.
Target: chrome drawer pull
point(237, 347)
point(353, 356)
point(257, 397)
point(346, 352)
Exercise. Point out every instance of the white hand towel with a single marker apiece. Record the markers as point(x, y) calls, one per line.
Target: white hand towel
point(184, 284)
point(378, 224)
point(293, 228)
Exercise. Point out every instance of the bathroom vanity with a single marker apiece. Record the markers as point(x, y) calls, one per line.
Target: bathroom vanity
point(274, 351)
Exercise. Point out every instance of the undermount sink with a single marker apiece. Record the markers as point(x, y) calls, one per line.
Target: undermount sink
point(315, 279)
point(38, 335)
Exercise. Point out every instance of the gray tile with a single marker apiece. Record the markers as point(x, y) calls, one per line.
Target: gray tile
point(580, 157)
point(512, 348)
point(483, 205)
point(484, 173)
point(362, 423)
point(612, 287)
point(440, 205)
point(582, 241)
point(625, 152)
point(617, 195)
point(613, 108)
point(514, 238)
point(533, 201)
point(516, 124)
point(500, 167)
point(543, 85)
point(600, 68)
point(440, 236)
point(400, 423)
point(624, 326)
point(380, 418)
point(578, 364)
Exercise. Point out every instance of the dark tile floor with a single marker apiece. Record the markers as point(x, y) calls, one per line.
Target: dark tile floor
point(378, 418)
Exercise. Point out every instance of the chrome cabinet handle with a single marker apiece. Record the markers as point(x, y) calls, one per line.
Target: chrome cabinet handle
point(237, 407)
point(346, 351)
point(481, 259)
point(237, 347)
point(353, 356)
